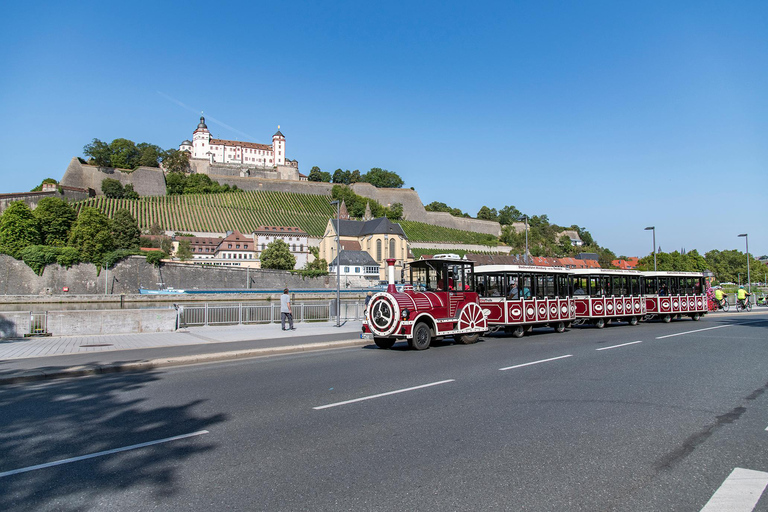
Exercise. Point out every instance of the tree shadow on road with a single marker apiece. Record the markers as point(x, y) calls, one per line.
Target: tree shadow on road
point(42, 423)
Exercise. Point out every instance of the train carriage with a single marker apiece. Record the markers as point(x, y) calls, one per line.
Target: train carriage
point(439, 302)
point(674, 294)
point(517, 298)
point(606, 295)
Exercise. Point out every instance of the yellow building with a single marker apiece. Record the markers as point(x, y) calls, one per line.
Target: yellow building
point(381, 238)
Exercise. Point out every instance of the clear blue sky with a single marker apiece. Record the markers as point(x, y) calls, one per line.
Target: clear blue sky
point(610, 115)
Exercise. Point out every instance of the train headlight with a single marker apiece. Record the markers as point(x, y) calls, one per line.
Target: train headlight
point(406, 314)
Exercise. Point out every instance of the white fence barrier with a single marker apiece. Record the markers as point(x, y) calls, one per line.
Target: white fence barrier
point(252, 313)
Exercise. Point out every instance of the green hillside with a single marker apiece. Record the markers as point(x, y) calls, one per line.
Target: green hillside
point(245, 211)
point(218, 213)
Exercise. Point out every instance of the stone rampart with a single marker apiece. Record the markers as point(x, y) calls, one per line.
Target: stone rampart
point(146, 181)
point(71, 194)
point(16, 278)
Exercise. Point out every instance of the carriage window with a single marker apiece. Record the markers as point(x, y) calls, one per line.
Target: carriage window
point(634, 285)
point(426, 278)
point(620, 285)
point(495, 285)
point(579, 286)
point(698, 285)
point(513, 290)
point(663, 283)
point(456, 278)
point(563, 285)
point(650, 285)
point(545, 286)
point(525, 283)
point(596, 286)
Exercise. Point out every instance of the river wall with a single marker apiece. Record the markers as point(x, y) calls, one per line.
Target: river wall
point(132, 273)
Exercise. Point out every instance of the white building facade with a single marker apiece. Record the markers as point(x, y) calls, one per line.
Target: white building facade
point(296, 239)
point(204, 147)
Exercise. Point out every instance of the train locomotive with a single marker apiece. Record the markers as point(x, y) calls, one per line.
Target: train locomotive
point(439, 302)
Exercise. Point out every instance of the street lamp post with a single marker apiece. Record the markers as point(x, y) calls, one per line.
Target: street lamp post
point(525, 217)
point(749, 281)
point(338, 262)
point(653, 228)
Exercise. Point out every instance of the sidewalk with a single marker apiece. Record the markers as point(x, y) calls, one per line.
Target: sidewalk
point(68, 356)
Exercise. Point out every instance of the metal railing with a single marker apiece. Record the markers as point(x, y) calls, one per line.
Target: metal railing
point(190, 315)
point(38, 322)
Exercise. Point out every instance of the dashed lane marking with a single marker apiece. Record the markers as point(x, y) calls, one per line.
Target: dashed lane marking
point(382, 394)
point(691, 332)
point(739, 493)
point(101, 454)
point(617, 346)
point(535, 362)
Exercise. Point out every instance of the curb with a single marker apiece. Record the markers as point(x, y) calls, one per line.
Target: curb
point(82, 371)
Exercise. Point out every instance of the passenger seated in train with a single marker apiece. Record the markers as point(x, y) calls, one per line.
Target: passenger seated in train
point(514, 292)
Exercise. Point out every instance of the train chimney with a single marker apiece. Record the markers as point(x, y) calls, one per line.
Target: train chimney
point(391, 275)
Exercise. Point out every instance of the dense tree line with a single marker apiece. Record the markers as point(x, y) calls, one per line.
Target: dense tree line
point(356, 204)
point(379, 178)
point(55, 233)
point(178, 183)
point(726, 265)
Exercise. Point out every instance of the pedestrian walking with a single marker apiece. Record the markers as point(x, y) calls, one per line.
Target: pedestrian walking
point(285, 311)
point(368, 298)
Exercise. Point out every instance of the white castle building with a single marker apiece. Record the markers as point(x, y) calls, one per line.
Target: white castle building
point(249, 154)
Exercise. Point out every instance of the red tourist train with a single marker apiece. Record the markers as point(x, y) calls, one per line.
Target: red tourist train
point(448, 296)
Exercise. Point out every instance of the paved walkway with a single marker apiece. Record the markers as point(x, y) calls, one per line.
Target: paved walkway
point(59, 356)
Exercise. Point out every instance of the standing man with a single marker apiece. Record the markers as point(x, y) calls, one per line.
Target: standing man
point(285, 310)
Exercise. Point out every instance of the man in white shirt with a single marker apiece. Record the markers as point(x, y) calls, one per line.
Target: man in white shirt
point(285, 310)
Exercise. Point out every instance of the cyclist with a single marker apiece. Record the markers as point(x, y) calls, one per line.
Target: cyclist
point(719, 296)
point(742, 295)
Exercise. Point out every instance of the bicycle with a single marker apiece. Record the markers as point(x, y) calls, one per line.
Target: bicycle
point(723, 304)
point(742, 305)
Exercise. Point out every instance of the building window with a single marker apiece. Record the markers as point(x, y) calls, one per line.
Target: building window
point(378, 250)
point(346, 270)
point(357, 270)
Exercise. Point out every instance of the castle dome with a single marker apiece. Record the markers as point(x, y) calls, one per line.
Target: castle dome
point(186, 143)
point(202, 126)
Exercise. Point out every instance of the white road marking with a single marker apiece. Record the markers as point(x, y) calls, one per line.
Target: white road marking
point(382, 394)
point(740, 492)
point(534, 362)
point(697, 330)
point(617, 346)
point(100, 454)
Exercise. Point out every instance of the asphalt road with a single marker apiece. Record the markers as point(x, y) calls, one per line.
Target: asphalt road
point(621, 418)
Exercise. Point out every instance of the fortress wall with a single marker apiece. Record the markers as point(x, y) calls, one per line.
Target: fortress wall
point(146, 181)
point(33, 198)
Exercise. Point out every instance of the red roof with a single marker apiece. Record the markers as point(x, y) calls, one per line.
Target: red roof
point(250, 145)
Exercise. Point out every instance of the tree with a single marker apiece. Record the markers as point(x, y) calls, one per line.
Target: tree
point(509, 214)
point(149, 155)
point(278, 256)
point(44, 182)
point(174, 184)
point(317, 265)
point(19, 228)
point(125, 230)
point(92, 235)
point(99, 152)
point(381, 178)
point(486, 213)
point(156, 257)
point(184, 252)
point(175, 161)
point(341, 177)
point(112, 188)
point(55, 218)
point(124, 154)
point(129, 193)
point(395, 212)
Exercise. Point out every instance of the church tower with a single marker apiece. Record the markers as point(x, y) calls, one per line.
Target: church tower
point(201, 141)
point(278, 147)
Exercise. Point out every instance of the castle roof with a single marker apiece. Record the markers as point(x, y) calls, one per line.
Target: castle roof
point(357, 228)
point(278, 133)
point(201, 125)
point(249, 145)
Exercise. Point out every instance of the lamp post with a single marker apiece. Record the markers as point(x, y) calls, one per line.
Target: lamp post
point(525, 217)
point(338, 262)
point(653, 228)
point(749, 281)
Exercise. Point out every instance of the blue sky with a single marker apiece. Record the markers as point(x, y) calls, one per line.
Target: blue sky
point(610, 115)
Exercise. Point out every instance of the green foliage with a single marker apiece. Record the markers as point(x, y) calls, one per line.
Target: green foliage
point(315, 174)
point(67, 256)
point(355, 203)
point(55, 218)
point(184, 251)
point(486, 213)
point(278, 256)
point(436, 206)
point(395, 212)
point(123, 154)
point(112, 188)
point(317, 264)
point(310, 272)
point(727, 265)
point(113, 257)
point(92, 235)
point(37, 257)
point(149, 155)
point(509, 214)
point(125, 230)
point(175, 161)
point(155, 258)
point(99, 152)
point(19, 228)
point(688, 262)
point(381, 178)
point(45, 181)
point(179, 183)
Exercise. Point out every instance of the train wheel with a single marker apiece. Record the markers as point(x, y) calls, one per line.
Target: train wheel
point(518, 331)
point(666, 319)
point(422, 336)
point(599, 323)
point(633, 320)
point(560, 327)
point(384, 342)
point(695, 317)
point(468, 339)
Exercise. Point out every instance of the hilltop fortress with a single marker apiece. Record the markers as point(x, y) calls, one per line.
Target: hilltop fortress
point(253, 166)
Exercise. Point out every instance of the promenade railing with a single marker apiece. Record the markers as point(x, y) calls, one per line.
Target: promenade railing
point(242, 313)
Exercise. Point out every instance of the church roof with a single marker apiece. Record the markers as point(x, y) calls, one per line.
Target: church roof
point(382, 225)
point(278, 133)
point(359, 258)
